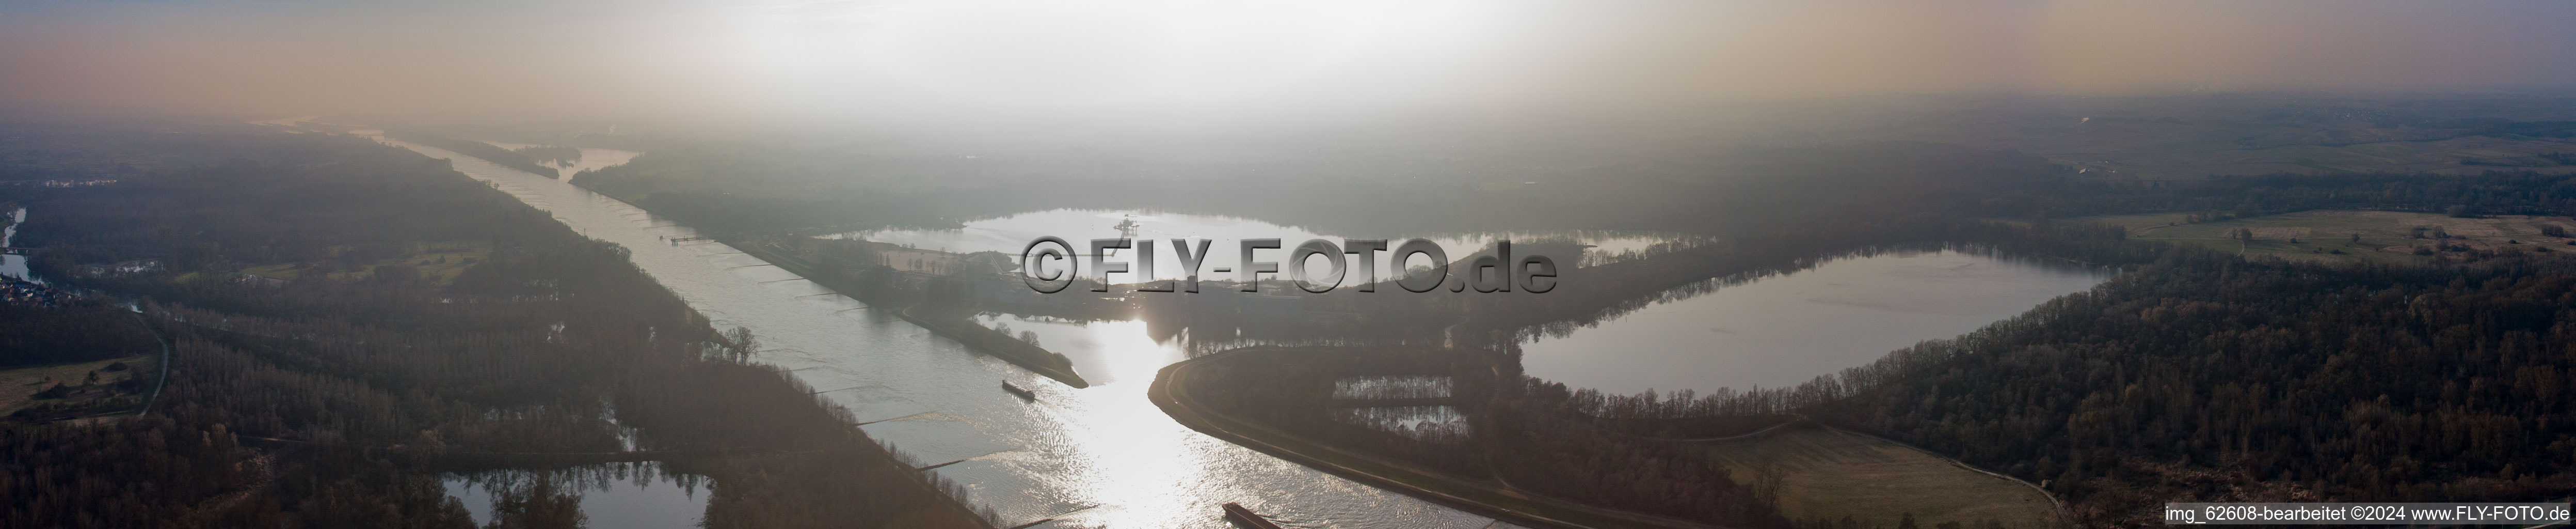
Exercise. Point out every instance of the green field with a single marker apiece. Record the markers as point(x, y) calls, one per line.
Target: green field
point(2328, 235)
point(438, 263)
point(1831, 474)
point(18, 384)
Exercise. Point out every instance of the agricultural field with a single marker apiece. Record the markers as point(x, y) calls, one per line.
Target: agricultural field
point(2455, 156)
point(2355, 236)
point(1829, 473)
point(19, 386)
point(2161, 138)
point(438, 263)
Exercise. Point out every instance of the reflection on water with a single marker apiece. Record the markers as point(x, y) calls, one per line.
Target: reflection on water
point(1097, 457)
point(14, 266)
point(1781, 331)
point(1391, 387)
point(1012, 234)
point(624, 495)
point(1425, 423)
point(1104, 352)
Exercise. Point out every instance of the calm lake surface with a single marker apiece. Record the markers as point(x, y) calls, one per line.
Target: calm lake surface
point(1783, 330)
point(622, 496)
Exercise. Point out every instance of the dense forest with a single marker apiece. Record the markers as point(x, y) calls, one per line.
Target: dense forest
point(81, 331)
point(2199, 374)
point(2203, 376)
point(338, 400)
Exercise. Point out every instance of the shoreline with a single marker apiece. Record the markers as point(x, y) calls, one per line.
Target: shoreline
point(1030, 357)
point(1043, 362)
point(1484, 499)
point(873, 452)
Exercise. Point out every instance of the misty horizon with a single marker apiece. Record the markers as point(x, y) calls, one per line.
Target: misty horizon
point(1098, 64)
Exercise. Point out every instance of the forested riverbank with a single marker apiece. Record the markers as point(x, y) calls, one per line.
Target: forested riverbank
point(379, 375)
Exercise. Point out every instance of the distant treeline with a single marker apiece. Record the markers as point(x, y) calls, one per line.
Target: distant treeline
point(486, 151)
point(752, 190)
point(36, 151)
point(550, 153)
point(339, 403)
point(2493, 192)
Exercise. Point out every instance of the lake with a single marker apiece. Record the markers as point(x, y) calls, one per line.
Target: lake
point(622, 495)
point(1786, 329)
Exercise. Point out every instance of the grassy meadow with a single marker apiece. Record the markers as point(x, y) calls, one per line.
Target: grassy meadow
point(18, 386)
point(1831, 474)
point(2352, 235)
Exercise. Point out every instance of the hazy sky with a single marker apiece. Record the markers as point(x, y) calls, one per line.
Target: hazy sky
point(1088, 59)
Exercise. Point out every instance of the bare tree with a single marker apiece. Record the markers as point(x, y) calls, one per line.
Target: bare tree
point(1766, 482)
point(744, 343)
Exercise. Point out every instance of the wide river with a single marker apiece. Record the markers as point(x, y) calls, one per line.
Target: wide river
point(1106, 457)
point(1097, 457)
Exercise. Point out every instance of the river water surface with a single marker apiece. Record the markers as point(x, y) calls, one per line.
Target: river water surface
point(14, 266)
point(1097, 457)
point(1106, 457)
point(620, 495)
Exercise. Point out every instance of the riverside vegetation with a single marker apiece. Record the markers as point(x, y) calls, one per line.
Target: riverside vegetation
point(338, 399)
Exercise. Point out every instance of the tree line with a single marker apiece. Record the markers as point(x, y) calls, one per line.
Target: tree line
point(524, 161)
point(80, 331)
